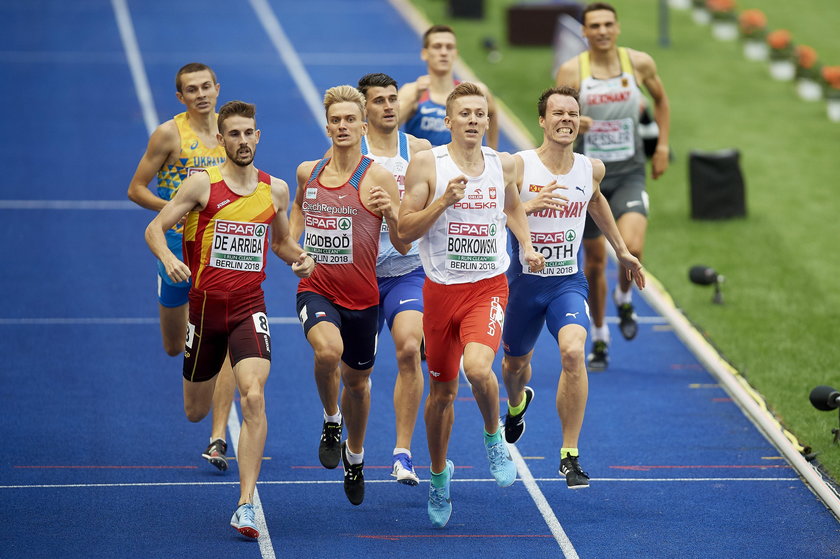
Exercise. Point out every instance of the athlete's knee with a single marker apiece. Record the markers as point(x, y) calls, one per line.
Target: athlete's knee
point(573, 357)
point(195, 412)
point(327, 357)
point(441, 398)
point(408, 355)
point(253, 403)
point(514, 367)
point(477, 373)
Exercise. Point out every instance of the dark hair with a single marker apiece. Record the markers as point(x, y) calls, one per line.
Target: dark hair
point(189, 69)
point(435, 29)
point(463, 89)
point(561, 90)
point(237, 108)
point(375, 80)
point(595, 6)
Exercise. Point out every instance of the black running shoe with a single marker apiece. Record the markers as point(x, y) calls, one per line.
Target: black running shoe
point(576, 478)
point(627, 321)
point(515, 424)
point(329, 450)
point(354, 478)
point(215, 454)
point(599, 358)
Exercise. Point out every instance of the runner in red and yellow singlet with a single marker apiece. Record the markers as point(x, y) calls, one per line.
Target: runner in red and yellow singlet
point(230, 210)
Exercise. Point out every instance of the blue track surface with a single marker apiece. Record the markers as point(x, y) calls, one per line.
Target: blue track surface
point(98, 460)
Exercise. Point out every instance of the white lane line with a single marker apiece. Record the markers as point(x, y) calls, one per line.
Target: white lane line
point(68, 205)
point(264, 539)
point(79, 321)
point(135, 64)
point(290, 58)
point(542, 504)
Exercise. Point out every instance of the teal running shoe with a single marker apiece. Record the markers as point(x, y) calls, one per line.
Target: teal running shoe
point(243, 520)
point(501, 464)
point(440, 505)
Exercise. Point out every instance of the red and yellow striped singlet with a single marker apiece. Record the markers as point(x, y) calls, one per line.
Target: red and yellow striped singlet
point(226, 243)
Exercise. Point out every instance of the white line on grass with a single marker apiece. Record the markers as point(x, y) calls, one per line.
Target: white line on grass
point(135, 64)
point(292, 61)
point(542, 504)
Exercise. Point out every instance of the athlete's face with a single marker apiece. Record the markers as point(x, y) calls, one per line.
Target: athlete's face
point(198, 92)
point(382, 108)
point(345, 124)
point(441, 51)
point(562, 119)
point(239, 138)
point(467, 118)
point(601, 29)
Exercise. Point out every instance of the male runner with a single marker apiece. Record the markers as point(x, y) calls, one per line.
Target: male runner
point(400, 277)
point(178, 148)
point(229, 209)
point(458, 199)
point(340, 205)
point(557, 187)
point(422, 109)
point(608, 78)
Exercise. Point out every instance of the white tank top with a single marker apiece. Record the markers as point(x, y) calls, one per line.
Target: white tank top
point(556, 234)
point(390, 262)
point(468, 242)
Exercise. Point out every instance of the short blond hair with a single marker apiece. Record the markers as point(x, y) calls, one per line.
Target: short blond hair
point(344, 94)
point(463, 89)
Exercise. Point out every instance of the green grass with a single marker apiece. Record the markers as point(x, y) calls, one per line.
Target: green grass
point(781, 321)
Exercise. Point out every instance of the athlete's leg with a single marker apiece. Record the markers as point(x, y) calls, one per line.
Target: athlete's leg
point(516, 372)
point(325, 339)
point(251, 374)
point(632, 227)
point(355, 405)
point(478, 363)
point(439, 416)
point(407, 332)
point(173, 327)
point(222, 400)
point(573, 387)
point(198, 398)
point(594, 267)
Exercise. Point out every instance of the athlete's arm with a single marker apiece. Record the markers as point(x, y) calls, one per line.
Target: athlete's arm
point(646, 67)
point(296, 224)
point(191, 195)
point(383, 198)
point(282, 244)
point(493, 118)
point(516, 220)
point(417, 212)
point(569, 75)
point(599, 210)
point(164, 141)
point(408, 96)
point(546, 199)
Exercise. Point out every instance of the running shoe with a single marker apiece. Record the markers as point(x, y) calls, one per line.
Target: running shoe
point(440, 504)
point(515, 424)
point(329, 450)
point(627, 321)
point(243, 520)
point(404, 470)
point(354, 478)
point(576, 478)
point(215, 454)
point(501, 464)
point(599, 358)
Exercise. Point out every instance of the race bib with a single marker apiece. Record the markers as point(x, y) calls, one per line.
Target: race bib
point(558, 249)
point(329, 240)
point(610, 140)
point(238, 246)
point(471, 246)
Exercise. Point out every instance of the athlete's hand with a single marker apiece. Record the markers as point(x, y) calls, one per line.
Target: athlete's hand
point(423, 83)
point(585, 124)
point(381, 202)
point(455, 190)
point(535, 260)
point(176, 270)
point(547, 199)
point(660, 161)
point(633, 267)
point(303, 266)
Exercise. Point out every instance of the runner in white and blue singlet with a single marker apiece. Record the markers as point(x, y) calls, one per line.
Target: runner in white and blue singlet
point(557, 188)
